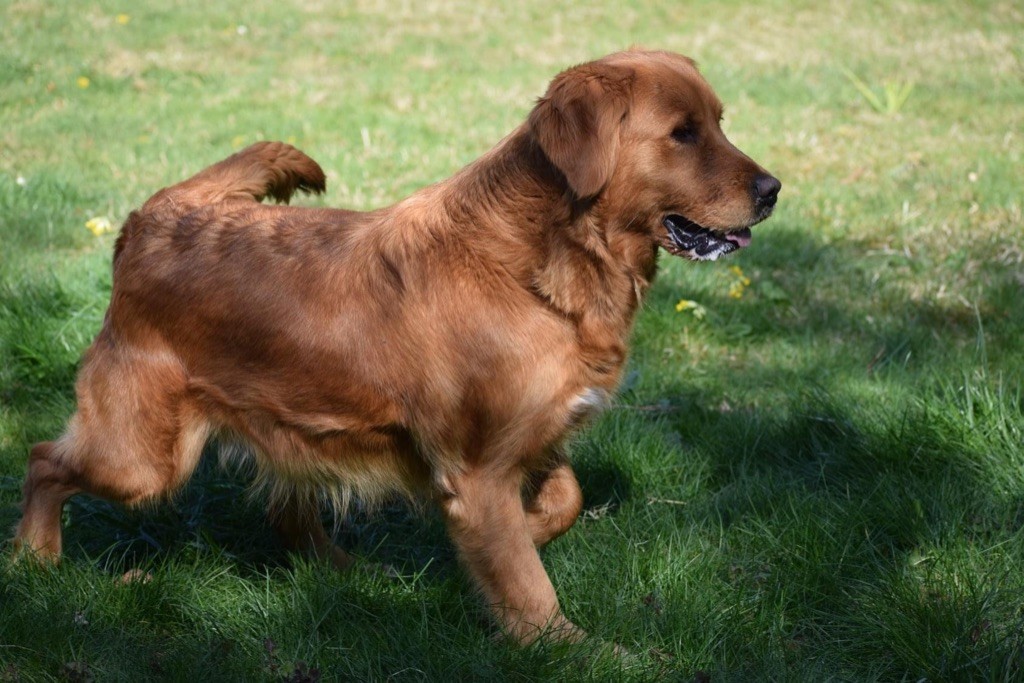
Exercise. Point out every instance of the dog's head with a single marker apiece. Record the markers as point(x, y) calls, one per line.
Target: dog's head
point(638, 134)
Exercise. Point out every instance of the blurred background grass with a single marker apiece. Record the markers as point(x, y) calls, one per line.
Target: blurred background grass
point(820, 478)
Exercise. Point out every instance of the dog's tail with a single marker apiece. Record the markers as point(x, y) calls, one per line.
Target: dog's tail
point(264, 169)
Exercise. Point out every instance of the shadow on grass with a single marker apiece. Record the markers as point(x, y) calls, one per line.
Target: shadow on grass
point(217, 513)
point(824, 529)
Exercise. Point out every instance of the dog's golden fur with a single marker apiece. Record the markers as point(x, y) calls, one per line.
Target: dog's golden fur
point(443, 347)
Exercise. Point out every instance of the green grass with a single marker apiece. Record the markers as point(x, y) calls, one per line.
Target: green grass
point(821, 479)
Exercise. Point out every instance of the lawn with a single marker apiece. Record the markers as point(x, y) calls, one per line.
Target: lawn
point(813, 471)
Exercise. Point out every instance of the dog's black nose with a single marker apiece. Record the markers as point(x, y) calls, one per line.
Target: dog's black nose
point(766, 191)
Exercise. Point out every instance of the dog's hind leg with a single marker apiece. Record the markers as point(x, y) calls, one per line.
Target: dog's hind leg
point(47, 487)
point(297, 520)
point(135, 437)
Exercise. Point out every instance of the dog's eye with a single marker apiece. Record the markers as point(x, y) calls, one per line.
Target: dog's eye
point(686, 133)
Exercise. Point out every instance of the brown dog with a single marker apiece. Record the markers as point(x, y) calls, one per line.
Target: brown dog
point(444, 346)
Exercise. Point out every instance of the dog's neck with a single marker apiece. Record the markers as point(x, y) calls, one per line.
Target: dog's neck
point(578, 256)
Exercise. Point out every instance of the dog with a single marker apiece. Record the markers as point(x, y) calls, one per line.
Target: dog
point(442, 348)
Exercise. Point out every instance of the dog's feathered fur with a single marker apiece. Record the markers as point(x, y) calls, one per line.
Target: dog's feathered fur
point(441, 347)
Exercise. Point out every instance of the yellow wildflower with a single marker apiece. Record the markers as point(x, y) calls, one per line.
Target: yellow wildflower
point(740, 284)
point(738, 272)
point(237, 141)
point(687, 305)
point(83, 82)
point(122, 19)
point(99, 225)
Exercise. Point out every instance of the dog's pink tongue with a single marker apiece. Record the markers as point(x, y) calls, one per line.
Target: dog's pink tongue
point(740, 238)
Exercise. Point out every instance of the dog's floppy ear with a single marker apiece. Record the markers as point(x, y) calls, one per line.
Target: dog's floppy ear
point(577, 123)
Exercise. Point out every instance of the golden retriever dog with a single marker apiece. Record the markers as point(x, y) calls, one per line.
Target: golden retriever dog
point(442, 348)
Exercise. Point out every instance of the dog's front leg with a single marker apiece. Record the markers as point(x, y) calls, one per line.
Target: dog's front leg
point(486, 520)
point(554, 505)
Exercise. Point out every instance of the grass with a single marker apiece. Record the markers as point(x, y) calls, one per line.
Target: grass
point(894, 93)
point(822, 478)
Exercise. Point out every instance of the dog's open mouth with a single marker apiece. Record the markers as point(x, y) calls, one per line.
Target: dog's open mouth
point(687, 238)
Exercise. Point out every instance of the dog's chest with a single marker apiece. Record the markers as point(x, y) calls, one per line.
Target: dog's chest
point(587, 404)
